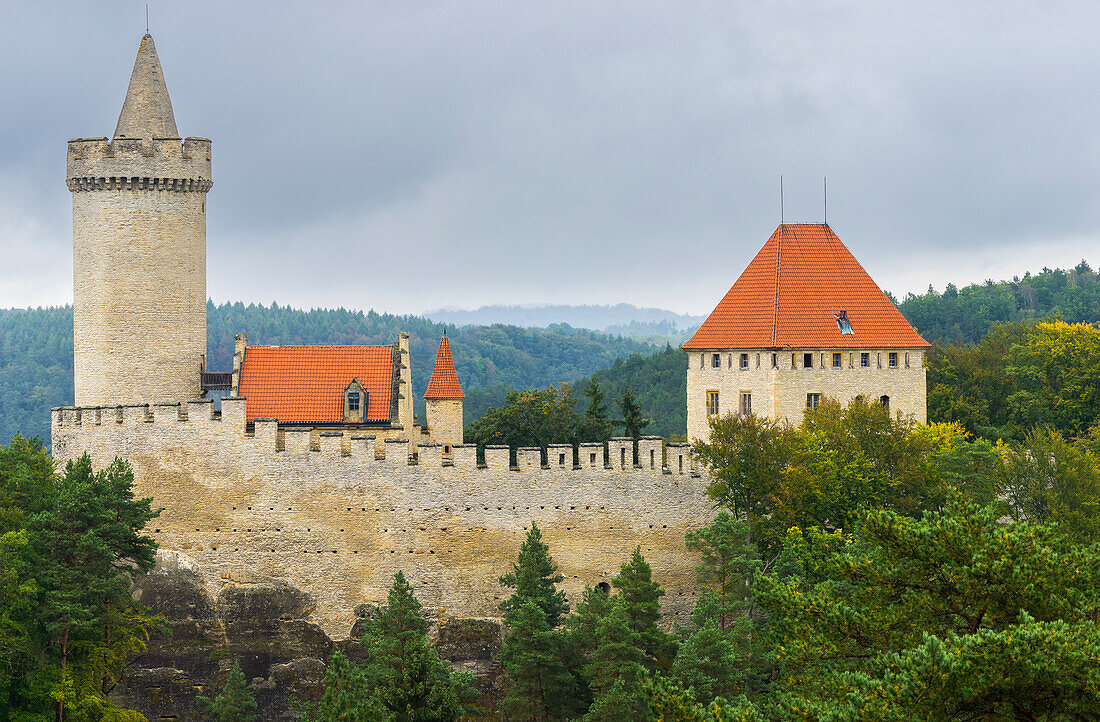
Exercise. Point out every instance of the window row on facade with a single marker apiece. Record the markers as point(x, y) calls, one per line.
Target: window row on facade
point(810, 360)
point(744, 402)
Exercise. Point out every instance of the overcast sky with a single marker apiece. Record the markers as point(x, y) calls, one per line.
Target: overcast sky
point(404, 156)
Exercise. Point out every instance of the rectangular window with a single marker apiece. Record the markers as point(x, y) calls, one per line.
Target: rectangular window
point(712, 403)
point(775, 360)
point(865, 360)
point(838, 360)
point(744, 361)
point(746, 403)
point(906, 360)
point(702, 360)
point(812, 400)
point(793, 357)
point(893, 359)
point(716, 361)
point(353, 402)
point(592, 459)
point(807, 360)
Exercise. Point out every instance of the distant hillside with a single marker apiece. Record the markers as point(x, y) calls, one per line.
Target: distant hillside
point(36, 352)
point(965, 315)
point(659, 381)
point(622, 318)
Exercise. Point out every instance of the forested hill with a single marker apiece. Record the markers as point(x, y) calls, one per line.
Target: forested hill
point(965, 315)
point(36, 351)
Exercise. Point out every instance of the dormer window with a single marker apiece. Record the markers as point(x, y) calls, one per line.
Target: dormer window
point(843, 323)
point(355, 403)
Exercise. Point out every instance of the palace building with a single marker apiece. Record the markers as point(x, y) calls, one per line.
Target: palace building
point(803, 322)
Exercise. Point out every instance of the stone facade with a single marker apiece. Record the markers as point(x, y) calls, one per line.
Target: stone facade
point(139, 268)
point(444, 420)
point(780, 391)
point(336, 518)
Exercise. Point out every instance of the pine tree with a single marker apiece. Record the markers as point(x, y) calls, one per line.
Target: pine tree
point(535, 576)
point(596, 426)
point(727, 566)
point(615, 670)
point(540, 685)
point(632, 422)
point(595, 604)
point(234, 704)
point(639, 598)
point(410, 679)
point(348, 695)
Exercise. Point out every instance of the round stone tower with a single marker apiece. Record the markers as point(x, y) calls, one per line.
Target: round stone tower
point(139, 251)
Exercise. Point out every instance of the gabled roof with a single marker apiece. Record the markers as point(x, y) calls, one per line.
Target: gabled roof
point(147, 110)
point(305, 384)
point(792, 293)
point(444, 383)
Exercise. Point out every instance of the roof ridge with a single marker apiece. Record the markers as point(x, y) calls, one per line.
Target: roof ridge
point(775, 302)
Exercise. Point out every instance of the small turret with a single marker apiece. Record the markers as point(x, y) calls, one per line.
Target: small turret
point(444, 399)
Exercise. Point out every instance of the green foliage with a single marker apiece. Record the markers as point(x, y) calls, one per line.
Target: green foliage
point(993, 596)
point(535, 577)
point(70, 547)
point(235, 703)
point(349, 696)
point(596, 425)
point(659, 381)
point(632, 422)
point(1017, 377)
point(528, 418)
point(672, 702)
point(1048, 480)
point(615, 670)
point(404, 673)
point(541, 686)
point(964, 315)
point(639, 599)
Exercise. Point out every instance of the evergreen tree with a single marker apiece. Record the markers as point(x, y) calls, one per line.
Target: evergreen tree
point(728, 563)
point(632, 422)
point(639, 600)
point(348, 696)
point(540, 685)
point(535, 576)
point(89, 548)
point(410, 679)
point(596, 426)
point(615, 670)
point(582, 624)
point(235, 703)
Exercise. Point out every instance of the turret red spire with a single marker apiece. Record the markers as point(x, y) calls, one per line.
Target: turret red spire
point(444, 383)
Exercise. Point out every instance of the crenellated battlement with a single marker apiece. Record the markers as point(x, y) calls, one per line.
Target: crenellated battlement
point(157, 164)
point(337, 512)
point(196, 421)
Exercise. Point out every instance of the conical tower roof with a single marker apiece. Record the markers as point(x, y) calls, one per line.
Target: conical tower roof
point(444, 383)
point(797, 292)
point(147, 111)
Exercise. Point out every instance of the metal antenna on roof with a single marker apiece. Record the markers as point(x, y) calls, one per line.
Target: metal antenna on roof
point(825, 183)
point(782, 216)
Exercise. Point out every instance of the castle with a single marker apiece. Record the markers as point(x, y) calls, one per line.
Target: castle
point(314, 470)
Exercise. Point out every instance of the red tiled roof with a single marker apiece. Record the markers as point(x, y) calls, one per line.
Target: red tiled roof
point(306, 383)
point(444, 383)
point(790, 295)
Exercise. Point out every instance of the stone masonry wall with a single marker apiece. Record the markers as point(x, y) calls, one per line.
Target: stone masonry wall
point(336, 520)
point(444, 419)
point(780, 392)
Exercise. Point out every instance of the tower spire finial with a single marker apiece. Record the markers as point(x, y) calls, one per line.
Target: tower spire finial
point(146, 18)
